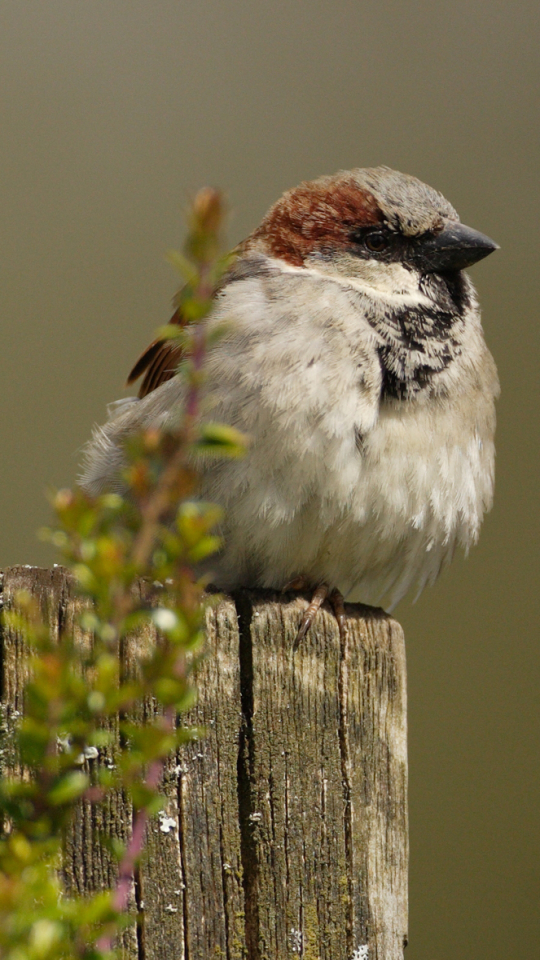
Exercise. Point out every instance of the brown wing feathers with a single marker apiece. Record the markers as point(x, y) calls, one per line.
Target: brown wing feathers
point(158, 362)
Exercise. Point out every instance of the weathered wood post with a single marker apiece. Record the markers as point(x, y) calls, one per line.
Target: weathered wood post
point(284, 832)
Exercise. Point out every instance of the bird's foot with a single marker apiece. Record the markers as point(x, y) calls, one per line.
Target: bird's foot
point(321, 593)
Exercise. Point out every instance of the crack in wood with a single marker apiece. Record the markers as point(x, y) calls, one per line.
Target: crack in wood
point(139, 929)
point(222, 856)
point(343, 694)
point(182, 833)
point(245, 773)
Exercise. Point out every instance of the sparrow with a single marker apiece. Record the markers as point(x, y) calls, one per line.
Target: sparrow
point(354, 360)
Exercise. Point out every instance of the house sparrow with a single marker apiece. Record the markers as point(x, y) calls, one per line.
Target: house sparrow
point(354, 360)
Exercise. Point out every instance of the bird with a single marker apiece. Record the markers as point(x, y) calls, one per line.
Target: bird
point(354, 360)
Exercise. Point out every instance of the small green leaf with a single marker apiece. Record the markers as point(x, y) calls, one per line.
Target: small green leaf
point(183, 266)
point(68, 789)
point(221, 440)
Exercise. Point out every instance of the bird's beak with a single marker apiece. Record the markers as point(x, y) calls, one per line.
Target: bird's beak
point(454, 248)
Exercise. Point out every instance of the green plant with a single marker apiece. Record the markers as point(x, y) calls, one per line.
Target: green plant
point(152, 535)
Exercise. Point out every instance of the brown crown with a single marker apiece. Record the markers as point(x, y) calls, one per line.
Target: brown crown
point(315, 215)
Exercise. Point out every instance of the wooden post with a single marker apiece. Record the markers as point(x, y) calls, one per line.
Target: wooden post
point(284, 831)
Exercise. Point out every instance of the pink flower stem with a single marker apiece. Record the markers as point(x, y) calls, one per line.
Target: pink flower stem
point(135, 846)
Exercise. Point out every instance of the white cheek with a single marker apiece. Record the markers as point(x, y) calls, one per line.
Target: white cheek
point(392, 279)
point(371, 276)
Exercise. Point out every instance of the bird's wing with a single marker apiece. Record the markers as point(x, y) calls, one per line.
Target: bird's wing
point(159, 361)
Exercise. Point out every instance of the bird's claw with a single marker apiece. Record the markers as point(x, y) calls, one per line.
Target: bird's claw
point(321, 593)
point(317, 600)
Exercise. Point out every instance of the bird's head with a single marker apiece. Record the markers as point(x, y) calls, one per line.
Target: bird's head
point(374, 224)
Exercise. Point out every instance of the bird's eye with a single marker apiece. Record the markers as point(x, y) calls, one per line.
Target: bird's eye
point(376, 241)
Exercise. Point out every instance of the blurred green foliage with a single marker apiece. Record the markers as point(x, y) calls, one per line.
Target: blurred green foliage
point(155, 532)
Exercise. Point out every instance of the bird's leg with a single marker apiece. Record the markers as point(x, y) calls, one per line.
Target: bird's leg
point(319, 596)
point(321, 593)
point(337, 603)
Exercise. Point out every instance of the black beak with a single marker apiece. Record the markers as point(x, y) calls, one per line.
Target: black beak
point(455, 248)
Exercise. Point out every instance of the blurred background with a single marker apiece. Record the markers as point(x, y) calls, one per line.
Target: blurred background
point(112, 114)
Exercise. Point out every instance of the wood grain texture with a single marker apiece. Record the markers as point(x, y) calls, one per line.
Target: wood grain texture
point(283, 832)
point(325, 822)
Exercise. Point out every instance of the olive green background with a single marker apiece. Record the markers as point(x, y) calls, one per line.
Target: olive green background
point(112, 113)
